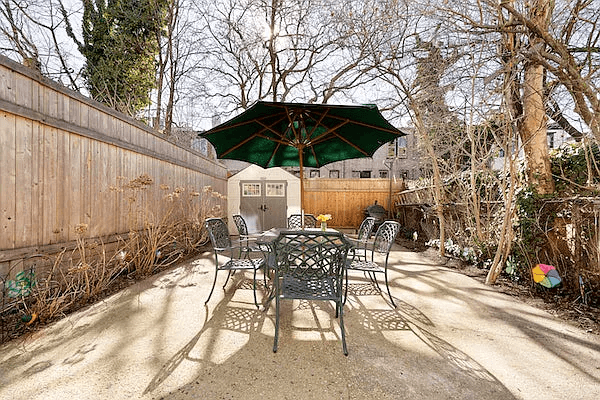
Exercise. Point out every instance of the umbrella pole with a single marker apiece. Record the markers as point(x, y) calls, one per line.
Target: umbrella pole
point(300, 155)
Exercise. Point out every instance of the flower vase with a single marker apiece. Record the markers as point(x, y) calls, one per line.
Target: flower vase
point(323, 226)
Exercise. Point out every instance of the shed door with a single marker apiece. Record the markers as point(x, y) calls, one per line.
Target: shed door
point(263, 204)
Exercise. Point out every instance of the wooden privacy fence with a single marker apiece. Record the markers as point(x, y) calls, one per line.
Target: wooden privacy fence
point(65, 161)
point(347, 199)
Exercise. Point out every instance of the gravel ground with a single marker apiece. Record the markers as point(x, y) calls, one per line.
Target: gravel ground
point(451, 337)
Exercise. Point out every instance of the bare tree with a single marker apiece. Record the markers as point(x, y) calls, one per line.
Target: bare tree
point(567, 45)
point(34, 31)
point(297, 50)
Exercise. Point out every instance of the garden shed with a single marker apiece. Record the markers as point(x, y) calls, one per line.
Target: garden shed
point(264, 197)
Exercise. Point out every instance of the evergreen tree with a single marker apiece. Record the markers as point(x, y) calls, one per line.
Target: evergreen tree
point(120, 48)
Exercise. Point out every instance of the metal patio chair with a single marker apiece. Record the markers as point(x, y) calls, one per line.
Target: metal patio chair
point(361, 240)
point(247, 240)
point(380, 248)
point(295, 221)
point(235, 255)
point(309, 265)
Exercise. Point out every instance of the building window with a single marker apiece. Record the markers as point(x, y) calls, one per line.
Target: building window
point(365, 174)
point(356, 174)
point(401, 150)
point(397, 148)
point(275, 190)
point(383, 173)
point(391, 149)
point(200, 145)
point(315, 173)
point(551, 140)
point(251, 190)
point(334, 173)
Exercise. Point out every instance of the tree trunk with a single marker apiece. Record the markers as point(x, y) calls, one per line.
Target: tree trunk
point(475, 198)
point(438, 191)
point(513, 113)
point(506, 232)
point(533, 129)
point(272, 55)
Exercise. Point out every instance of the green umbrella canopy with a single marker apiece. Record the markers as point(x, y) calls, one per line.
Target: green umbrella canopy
point(271, 134)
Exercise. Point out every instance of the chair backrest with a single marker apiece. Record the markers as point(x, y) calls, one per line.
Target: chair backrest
point(295, 221)
point(218, 233)
point(385, 236)
point(365, 229)
point(310, 255)
point(240, 224)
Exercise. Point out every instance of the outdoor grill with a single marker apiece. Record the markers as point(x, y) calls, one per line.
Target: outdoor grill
point(376, 211)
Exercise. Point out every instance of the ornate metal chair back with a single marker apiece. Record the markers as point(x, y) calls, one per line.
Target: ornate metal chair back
point(218, 233)
point(386, 236)
point(310, 255)
point(240, 224)
point(365, 229)
point(295, 221)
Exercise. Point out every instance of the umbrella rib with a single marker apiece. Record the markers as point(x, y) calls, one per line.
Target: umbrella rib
point(381, 128)
point(273, 154)
point(351, 144)
point(279, 135)
point(227, 126)
point(291, 125)
point(240, 144)
point(257, 134)
point(332, 131)
point(319, 122)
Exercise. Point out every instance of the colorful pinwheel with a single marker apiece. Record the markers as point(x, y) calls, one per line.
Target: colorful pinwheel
point(546, 275)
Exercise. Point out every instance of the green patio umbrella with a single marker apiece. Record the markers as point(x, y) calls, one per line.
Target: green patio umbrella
point(272, 134)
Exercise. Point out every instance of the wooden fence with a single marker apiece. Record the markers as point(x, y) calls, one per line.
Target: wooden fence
point(346, 199)
point(65, 161)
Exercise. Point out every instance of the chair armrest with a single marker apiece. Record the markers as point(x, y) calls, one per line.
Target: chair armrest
point(360, 243)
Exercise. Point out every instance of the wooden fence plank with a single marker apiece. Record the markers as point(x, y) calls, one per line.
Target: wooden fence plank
point(63, 187)
point(23, 88)
point(50, 97)
point(37, 177)
point(85, 183)
point(75, 193)
point(8, 219)
point(7, 85)
point(23, 186)
point(96, 223)
point(74, 115)
point(84, 115)
point(49, 186)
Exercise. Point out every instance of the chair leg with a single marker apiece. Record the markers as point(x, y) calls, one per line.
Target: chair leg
point(229, 274)
point(340, 306)
point(373, 278)
point(254, 289)
point(388, 289)
point(265, 274)
point(213, 286)
point(276, 324)
point(346, 288)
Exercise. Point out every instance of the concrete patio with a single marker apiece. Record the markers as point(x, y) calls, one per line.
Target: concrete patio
point(451, 337)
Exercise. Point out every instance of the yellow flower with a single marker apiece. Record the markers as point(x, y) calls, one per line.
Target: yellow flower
point(324, 217)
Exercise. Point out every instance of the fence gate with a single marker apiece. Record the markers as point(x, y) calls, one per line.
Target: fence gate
point(263, 204)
